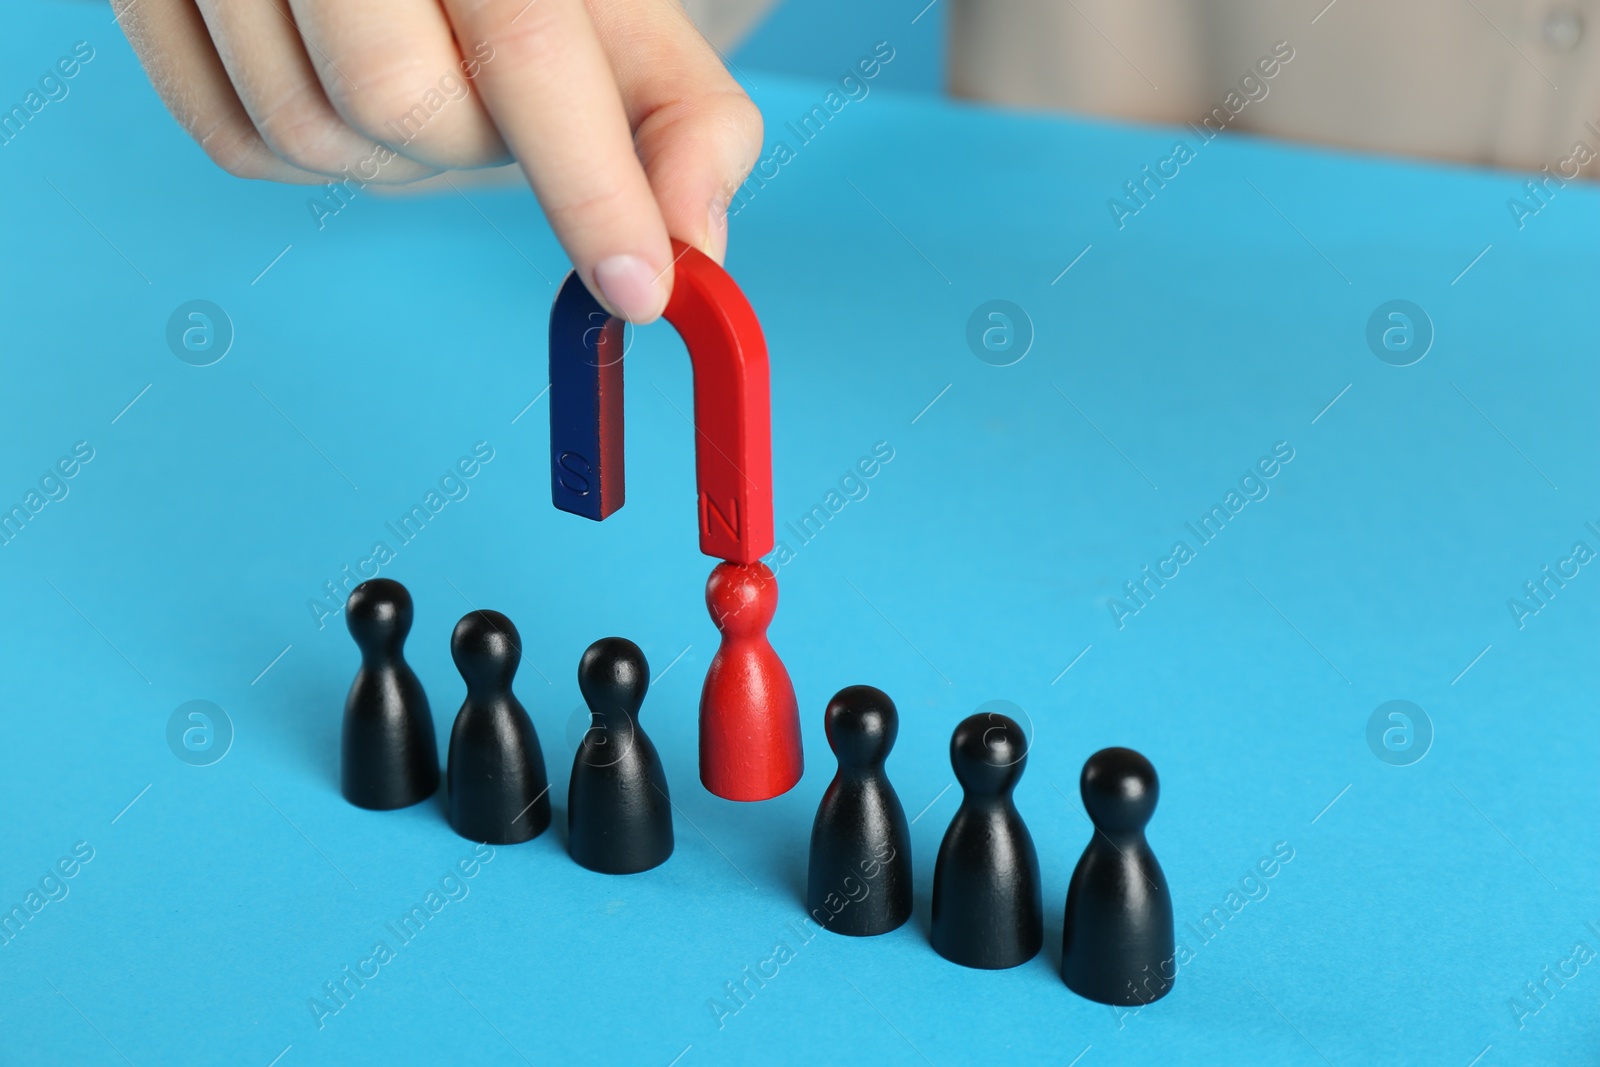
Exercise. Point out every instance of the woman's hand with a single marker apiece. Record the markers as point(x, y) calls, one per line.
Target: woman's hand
point(619, 112)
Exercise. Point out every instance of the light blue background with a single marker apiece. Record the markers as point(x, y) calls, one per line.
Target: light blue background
point(376, 351)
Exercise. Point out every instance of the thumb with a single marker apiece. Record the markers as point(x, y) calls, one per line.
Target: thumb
point(695, 131)
point(696, 153)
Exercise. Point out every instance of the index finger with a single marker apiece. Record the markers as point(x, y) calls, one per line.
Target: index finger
point(553, 95)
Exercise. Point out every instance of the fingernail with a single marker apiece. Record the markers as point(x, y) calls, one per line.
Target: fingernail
point(631, 287)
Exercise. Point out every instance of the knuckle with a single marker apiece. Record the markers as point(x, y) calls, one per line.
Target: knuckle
point(596, 201)
point(599, 205)
point(532, 30)
point(743, 118)
point(721, 114)
point(306, 132)
point(236, 147)
point(383, 93)
point(724, 124)
point(739, 112)
point(434, 118)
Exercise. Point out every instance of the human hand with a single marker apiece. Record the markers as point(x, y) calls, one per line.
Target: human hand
point(618, 111)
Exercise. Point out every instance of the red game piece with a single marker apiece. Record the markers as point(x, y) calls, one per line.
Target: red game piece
point(749, 719)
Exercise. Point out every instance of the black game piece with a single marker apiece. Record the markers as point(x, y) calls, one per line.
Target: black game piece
point(860, 875)
point(389, 757)
point(986, 899)
point(498, 790)
point(619, 816)
point(1118, 944)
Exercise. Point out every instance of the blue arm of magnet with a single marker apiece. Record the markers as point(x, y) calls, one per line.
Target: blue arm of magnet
point(586, 469)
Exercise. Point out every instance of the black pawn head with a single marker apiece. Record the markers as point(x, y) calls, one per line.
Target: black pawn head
point(1119, 789)
point(862, 724)
point(988, 752)
point(487, 650)
point(378, 614)
point(613, 674)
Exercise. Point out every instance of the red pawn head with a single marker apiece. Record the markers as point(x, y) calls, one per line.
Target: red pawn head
point(749, 720)
point(742, 599)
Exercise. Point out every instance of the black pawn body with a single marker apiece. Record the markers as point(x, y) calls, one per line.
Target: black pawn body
point(987, 904)
point(859, 880)
point(1117, 947)
point(619, 815)
point(388, 756)
point(498, 790)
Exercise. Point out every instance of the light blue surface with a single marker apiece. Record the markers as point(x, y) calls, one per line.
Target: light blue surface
point(980, 564)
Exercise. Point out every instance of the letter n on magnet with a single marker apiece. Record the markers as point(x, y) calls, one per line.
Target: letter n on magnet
point(719, 521)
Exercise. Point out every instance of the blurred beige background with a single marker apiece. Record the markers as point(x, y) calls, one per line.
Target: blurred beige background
point(1505, 83)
